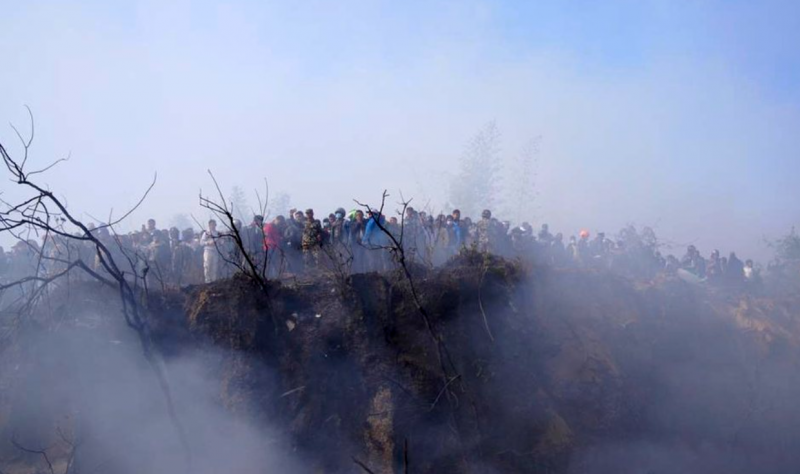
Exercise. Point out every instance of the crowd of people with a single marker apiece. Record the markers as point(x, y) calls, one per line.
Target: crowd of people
point(358, 241)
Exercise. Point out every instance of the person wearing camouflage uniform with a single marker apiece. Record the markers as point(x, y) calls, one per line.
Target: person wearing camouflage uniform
point(312, 240)
point(485, 231)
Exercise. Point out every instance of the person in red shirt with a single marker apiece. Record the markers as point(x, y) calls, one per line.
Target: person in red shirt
point(273, 244)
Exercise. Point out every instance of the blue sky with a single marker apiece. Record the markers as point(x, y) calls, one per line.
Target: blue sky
point(682, 115)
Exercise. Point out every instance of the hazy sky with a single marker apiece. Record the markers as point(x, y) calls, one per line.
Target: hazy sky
point(681, 115)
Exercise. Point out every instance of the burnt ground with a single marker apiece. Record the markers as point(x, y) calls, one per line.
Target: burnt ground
point(552, 371)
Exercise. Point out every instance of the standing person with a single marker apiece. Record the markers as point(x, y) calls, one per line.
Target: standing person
point(441, 240)
point(583, 247)
point(714, 266)
point(375, 240)
point(339, 228)
point(174, 238)
point(597, 247)
point(459, 231)
point(411, 233)
point(312, 240)
point(557, 252)
point(273, 233)
point(751, 275)
point(357, 227)
point(572, 251)
point(293, 242)
point(195, 264)
point(467, 232)
point(232, 256)
point(273, 245)
point(429, 235)
point(253, 243)
point(211, 258)
point(150, 230)
point(159, 258)
point(694, 262)
point(174, 244)
point(326, 231)
point(182, 257)
point(735, 270)
point(457, 239)
point(484, 229)
point(545, 237)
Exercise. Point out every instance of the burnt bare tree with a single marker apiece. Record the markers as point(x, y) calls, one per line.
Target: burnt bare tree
point(234, 247)
point(67, 443)
point(451, 378)
point(41, 213)
point(338, 264)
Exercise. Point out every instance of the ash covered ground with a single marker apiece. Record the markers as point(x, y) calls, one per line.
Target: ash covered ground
point(513, 367)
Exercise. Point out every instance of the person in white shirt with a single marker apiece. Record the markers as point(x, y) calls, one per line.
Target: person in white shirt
point(211, 256)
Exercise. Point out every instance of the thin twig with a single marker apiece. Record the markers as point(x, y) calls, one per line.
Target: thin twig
point(41, 452)
point(363, 466)
point(480, 304)
point(433, 405)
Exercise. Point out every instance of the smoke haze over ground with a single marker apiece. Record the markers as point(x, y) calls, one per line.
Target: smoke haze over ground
point(678, 116)
point(564, 371)
point(86, 379)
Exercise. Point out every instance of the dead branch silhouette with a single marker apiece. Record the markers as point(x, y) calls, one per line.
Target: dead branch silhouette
point(45, 213)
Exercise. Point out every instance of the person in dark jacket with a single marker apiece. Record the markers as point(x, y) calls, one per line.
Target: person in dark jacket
point(253, 242)
point(339, 230)
point(355, 235)
point(734, 273)
point(293, 243)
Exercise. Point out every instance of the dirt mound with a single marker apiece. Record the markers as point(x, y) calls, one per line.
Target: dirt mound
point(551, 371)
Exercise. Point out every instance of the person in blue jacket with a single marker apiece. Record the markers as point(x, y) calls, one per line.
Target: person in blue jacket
point(376, 241)
point(457, 239)
point(374, 237)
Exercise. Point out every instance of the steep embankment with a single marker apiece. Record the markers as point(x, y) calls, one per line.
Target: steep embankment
point(537, 371)
point(557, 371)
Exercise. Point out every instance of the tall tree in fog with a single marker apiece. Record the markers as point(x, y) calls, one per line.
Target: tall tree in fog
point(279, 205)
point(477, 183)
point(181, 221)
point(522, 191)
point(787, 248)
point(239, 204)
